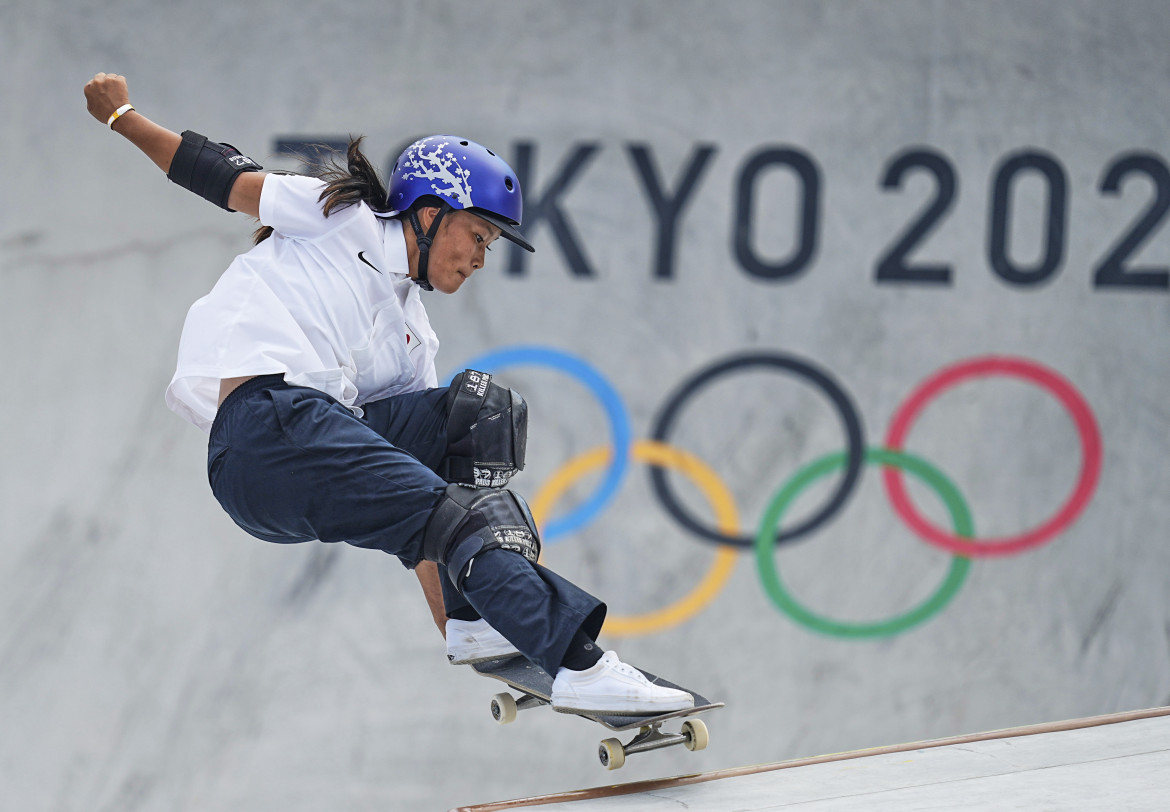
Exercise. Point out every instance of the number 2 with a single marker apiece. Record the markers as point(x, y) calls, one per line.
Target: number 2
point(892, 266)
point(1112, 272)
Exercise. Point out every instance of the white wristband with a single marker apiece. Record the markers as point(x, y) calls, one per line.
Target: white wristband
point(121, 111)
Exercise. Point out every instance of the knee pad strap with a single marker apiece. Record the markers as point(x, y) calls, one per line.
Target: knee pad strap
point(463, 553)
point(499, 517)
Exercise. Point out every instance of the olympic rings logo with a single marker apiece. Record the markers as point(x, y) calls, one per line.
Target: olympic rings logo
point(729, 539)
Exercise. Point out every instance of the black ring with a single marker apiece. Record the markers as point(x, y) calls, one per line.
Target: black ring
point(855, 447)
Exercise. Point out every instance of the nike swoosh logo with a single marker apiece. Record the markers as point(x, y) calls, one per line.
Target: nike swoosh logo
point(362, 257)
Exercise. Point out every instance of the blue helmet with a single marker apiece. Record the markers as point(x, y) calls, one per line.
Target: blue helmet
point(464, 175)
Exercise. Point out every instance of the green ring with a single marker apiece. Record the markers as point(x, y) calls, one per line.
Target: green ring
point(765, 563)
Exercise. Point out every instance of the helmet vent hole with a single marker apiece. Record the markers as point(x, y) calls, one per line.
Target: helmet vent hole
point(489, 152)
point(463, 143)
point(508, 184)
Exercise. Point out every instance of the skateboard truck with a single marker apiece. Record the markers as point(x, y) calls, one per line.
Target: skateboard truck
point(505, 706)
point(611, 752)
point(693, 736)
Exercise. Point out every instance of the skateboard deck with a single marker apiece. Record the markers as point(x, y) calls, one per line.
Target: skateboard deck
point(535, 687)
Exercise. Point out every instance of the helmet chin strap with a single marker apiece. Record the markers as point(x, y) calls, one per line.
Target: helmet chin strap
point(425, 241)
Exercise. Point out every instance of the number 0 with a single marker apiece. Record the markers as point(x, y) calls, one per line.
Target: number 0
point(997, 250)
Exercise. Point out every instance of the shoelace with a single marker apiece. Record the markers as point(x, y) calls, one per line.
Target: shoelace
point(630, 671)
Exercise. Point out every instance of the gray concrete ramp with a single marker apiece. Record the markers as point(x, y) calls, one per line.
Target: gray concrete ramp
point(1116, 762)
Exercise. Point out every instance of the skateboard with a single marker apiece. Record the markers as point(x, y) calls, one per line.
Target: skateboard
point(535, 687)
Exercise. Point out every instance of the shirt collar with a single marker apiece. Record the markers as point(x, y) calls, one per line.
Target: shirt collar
point(394, 245)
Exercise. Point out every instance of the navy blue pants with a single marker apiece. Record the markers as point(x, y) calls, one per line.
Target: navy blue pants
point(290, 464)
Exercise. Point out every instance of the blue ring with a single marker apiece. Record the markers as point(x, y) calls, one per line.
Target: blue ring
point(615, 410)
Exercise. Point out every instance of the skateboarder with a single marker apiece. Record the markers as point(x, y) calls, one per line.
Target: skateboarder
point(311, 364)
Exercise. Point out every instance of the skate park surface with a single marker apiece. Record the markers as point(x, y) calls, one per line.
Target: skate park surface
point(1118, 761)
point(845, 350)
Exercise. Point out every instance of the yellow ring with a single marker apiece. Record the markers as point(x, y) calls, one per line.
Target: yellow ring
point(719, 498)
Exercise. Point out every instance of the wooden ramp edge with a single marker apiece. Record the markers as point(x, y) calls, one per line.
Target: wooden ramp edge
point(699, 778)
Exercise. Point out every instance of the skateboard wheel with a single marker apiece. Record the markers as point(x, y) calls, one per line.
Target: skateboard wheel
point(696, 733)
point(504, 708)
point(612, 754)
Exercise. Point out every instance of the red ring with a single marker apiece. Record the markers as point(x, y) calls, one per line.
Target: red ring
point(1064, 391)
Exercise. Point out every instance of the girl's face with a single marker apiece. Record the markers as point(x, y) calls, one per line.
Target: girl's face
point(459, 248)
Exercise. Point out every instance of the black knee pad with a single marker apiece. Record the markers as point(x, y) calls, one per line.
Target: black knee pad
point(467, 522)
point(487, 432)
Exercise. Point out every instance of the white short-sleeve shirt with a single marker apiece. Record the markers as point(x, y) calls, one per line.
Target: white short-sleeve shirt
point(328, 301)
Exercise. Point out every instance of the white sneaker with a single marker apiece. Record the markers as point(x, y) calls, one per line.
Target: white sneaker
point(474, 641)
point(611, 686)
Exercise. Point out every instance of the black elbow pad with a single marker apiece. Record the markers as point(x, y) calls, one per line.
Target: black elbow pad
point(209, 169)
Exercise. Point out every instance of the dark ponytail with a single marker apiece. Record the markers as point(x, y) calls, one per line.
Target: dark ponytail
point(356, 182)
